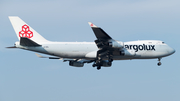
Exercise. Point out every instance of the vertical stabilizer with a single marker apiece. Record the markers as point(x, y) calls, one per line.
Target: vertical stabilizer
point(22, 29)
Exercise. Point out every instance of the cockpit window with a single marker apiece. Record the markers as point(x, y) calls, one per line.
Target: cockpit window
point(163, 42)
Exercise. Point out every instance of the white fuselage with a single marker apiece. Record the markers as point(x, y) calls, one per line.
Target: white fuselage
point(147, 49)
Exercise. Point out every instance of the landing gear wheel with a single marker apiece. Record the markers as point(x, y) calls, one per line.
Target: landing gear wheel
point(98, 67)
point(159, 64)
point(94, 65)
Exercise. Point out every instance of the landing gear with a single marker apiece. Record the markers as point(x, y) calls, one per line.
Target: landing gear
point(103, 54)
point(99, 67)
point(101, 63)
point(94, 65)
point(98, 63)
point(110, 57)
point(159, 63)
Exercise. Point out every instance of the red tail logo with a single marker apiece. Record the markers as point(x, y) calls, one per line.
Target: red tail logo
point(26, 32)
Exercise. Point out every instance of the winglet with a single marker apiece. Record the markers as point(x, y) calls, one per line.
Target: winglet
point(92, 25)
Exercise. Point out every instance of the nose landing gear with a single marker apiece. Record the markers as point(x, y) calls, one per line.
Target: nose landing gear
point(159, 63)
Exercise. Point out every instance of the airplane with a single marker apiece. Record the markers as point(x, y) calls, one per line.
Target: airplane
point(102, 52)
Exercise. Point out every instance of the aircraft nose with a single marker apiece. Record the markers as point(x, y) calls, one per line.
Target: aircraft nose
point(171, 50)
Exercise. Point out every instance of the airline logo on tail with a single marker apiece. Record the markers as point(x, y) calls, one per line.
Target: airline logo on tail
point(25, 32)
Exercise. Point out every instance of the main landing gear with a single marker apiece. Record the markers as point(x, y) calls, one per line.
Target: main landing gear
point(101, 54)
point(98, 63)
point(159, 63)
point(98, 66)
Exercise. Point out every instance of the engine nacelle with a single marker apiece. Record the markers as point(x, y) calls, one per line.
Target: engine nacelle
point(106, 63)
point(115, 44)
point(127, 52)
point(76, 63)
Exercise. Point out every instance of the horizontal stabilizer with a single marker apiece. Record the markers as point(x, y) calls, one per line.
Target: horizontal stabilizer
point(24, 41)
point(12, 47)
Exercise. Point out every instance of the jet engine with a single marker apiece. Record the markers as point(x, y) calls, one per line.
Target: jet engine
point(115, 44)
point(76, 63)
point(127, 52)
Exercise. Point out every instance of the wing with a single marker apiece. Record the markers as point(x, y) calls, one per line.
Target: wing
point(100, 33)
point(104, 41)
point(72, 62)
point(106, 45)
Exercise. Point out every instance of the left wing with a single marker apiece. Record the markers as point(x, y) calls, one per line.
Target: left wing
point(72, 62)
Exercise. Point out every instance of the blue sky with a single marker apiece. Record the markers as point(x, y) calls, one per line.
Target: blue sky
point(24, 77)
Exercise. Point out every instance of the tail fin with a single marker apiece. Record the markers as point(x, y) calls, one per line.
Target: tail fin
point(22, 29)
